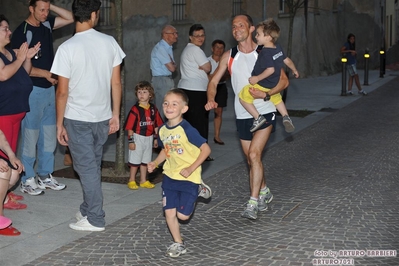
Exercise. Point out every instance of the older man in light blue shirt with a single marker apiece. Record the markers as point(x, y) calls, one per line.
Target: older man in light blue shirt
point(163, 64)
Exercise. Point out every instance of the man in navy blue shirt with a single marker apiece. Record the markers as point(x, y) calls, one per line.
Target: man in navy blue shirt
point(38, 129)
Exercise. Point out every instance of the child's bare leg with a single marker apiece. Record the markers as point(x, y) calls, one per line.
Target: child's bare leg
point(143, 173)
point(287, 122)
point(282, 109)
point(250, 108)
point(173, 225)
point(133, 173)
point(132, 178)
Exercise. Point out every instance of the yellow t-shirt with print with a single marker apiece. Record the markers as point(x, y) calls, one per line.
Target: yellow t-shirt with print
point(181, 144)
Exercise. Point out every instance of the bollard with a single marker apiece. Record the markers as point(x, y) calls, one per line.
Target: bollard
point(343, 89)
point(382, 63)
point(366, 67)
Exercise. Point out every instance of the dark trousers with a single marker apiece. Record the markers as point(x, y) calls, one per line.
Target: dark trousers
point(196, 115)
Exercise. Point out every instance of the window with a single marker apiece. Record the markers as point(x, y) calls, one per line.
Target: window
point(106, 13)
point(237, 7)
point(281, 8)
point(179, 10)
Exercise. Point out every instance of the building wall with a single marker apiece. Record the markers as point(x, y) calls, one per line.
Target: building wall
point(315, 47)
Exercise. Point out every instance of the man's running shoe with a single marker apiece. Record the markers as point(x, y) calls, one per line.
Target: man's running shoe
point(251, 210)
point(257, 123)
point(204, 191)
point(50, 182)
point(176, 249)
point(363, 92)
point(264, 199)
point(30, 186)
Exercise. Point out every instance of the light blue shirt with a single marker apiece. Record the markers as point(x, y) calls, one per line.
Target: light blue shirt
point(161, 54)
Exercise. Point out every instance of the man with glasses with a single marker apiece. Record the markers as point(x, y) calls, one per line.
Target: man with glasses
point(163, 64)
point(38, 127)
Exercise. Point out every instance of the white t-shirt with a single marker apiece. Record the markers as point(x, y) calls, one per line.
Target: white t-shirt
point(241, 70)
point(193, 78)
point(87, 60)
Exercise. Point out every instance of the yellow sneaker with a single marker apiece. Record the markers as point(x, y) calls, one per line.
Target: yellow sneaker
point(132, 185)
point(147, 184)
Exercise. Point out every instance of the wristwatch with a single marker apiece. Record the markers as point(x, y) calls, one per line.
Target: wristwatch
point(267, 97)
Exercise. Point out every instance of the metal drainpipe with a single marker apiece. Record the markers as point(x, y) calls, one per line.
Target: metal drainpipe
point(264, 9)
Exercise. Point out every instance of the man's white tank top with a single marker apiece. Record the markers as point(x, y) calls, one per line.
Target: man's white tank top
point(241, 70)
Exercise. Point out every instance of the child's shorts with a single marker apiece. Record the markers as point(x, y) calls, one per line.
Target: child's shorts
point(247, 97)
point(352, 69)
point(179, 195)
point(143, 151)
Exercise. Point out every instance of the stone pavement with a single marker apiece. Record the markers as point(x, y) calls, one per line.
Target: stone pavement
point(334, 181)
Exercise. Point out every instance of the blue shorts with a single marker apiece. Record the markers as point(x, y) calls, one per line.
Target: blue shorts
point(179, 195)
point(243, 125)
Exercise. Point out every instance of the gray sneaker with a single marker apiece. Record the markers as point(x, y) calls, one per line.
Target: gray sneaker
point(30, 186)
point(251, 211)
point(287, 122)
point(363, 92)
point(204, 191)
point(176, 249)
point(257, 123)
point(349, 93)
point(264, 199)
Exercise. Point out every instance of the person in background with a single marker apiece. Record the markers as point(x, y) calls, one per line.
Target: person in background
point(88, 102)
point(15, 88)
point(194, 69)
point(218, 47)
point(349, 49)
point(142, 125)
point(38, 131)
point(163, 64)
point(10, 169)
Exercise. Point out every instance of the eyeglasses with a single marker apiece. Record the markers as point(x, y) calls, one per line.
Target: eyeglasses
point(199, 36)
point(5, 29)
point(174, 33)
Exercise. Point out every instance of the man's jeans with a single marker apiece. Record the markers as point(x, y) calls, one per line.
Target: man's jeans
point(86, 141)
point(38, 133)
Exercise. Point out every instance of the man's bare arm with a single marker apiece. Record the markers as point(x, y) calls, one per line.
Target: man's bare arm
point(64, 17)
point(116, 92)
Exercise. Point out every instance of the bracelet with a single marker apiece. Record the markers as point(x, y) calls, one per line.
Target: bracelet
point(131, 139)
point(156, 164)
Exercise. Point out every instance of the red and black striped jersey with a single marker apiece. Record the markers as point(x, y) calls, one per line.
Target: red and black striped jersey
point(143, 121)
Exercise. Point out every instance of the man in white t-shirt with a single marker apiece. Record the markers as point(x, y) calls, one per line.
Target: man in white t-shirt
point(88, 69)
point(240, 61)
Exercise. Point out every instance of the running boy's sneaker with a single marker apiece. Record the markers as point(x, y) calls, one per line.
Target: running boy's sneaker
point(50, 182)
point(349, 93)
point(30, 186)
point(287, 122)
point(204, 191)
point(363, 92)
point(176, 249)
point(257, 123)
point(264, 199)
point(251, 211)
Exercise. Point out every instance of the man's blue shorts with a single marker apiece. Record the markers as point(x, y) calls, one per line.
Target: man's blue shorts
point(243, 125)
